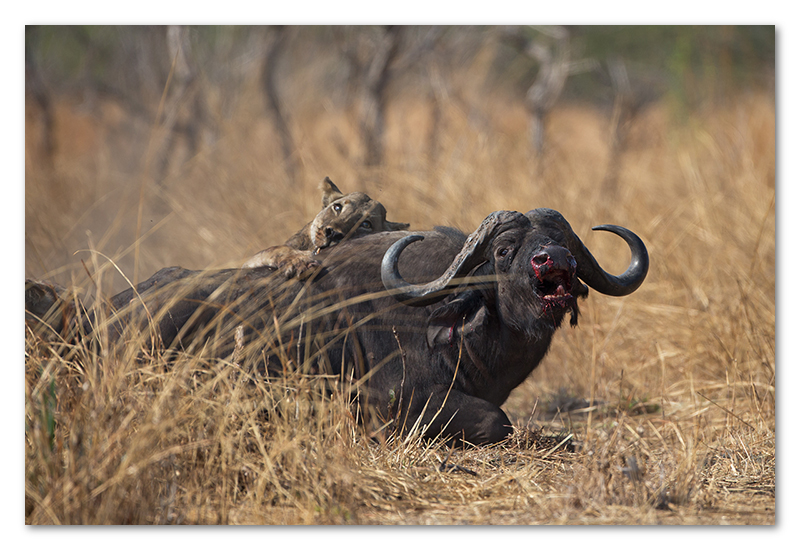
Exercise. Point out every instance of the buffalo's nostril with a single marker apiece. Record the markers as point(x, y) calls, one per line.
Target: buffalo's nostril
point(328, 231)
point(541, 259)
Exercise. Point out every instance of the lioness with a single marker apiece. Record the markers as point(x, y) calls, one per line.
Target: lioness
point(342, 217)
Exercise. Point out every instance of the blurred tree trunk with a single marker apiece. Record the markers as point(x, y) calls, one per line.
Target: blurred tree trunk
point(374, 57)
point(35, 87)
point(621, 117)
point(373, 107)
point(546, 89)
point(437, 95)
point(552, 52)
point(185, 89)
point(629, 102)
point(268, 83)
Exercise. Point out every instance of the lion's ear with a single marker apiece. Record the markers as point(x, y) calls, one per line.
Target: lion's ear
point(395, 226)
point(329, 191)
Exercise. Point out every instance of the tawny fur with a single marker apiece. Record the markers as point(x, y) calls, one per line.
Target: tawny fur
point(342, 217)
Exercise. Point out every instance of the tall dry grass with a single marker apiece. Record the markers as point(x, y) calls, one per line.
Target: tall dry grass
point(668, 394)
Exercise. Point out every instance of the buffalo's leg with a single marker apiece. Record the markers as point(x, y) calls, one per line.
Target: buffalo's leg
point(465, 419)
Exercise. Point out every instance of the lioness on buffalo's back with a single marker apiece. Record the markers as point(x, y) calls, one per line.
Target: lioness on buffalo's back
point(342, 217)
point(438, 332)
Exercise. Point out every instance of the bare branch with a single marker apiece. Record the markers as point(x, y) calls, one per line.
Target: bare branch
point(268, 82)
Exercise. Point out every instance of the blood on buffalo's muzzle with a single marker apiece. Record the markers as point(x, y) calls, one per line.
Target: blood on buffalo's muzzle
point(553, 258)
point(554, 268)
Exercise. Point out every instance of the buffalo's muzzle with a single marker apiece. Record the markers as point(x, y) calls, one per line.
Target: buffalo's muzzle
point(554, 268)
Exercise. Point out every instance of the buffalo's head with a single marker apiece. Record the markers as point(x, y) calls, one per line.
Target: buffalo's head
point(526, 268)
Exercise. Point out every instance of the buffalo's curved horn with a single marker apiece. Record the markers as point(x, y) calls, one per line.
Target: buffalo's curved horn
point(589, 271)
point(617, 285)
point(471, 256)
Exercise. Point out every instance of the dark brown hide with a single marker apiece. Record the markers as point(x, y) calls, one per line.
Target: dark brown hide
point(465, 320)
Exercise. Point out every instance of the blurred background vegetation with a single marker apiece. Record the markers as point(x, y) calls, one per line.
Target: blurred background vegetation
point(149, 70)
point(139, 111)
point(693, 63)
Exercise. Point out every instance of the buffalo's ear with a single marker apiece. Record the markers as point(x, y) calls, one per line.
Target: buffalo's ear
point(329, 191)
point(438, 334)
point(461, 316)
point(395, 226)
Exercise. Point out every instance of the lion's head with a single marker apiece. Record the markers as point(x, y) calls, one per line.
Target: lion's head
point(342, 217)
point(347, 216)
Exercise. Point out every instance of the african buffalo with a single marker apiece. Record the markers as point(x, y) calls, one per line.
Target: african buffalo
point(438, 331)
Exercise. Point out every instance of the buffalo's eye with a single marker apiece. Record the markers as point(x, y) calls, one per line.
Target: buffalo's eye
point(502, 252)
point(337, 208)
point(366, 225)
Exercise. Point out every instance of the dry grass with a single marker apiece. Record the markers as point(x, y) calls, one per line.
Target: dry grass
point(681, 374)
